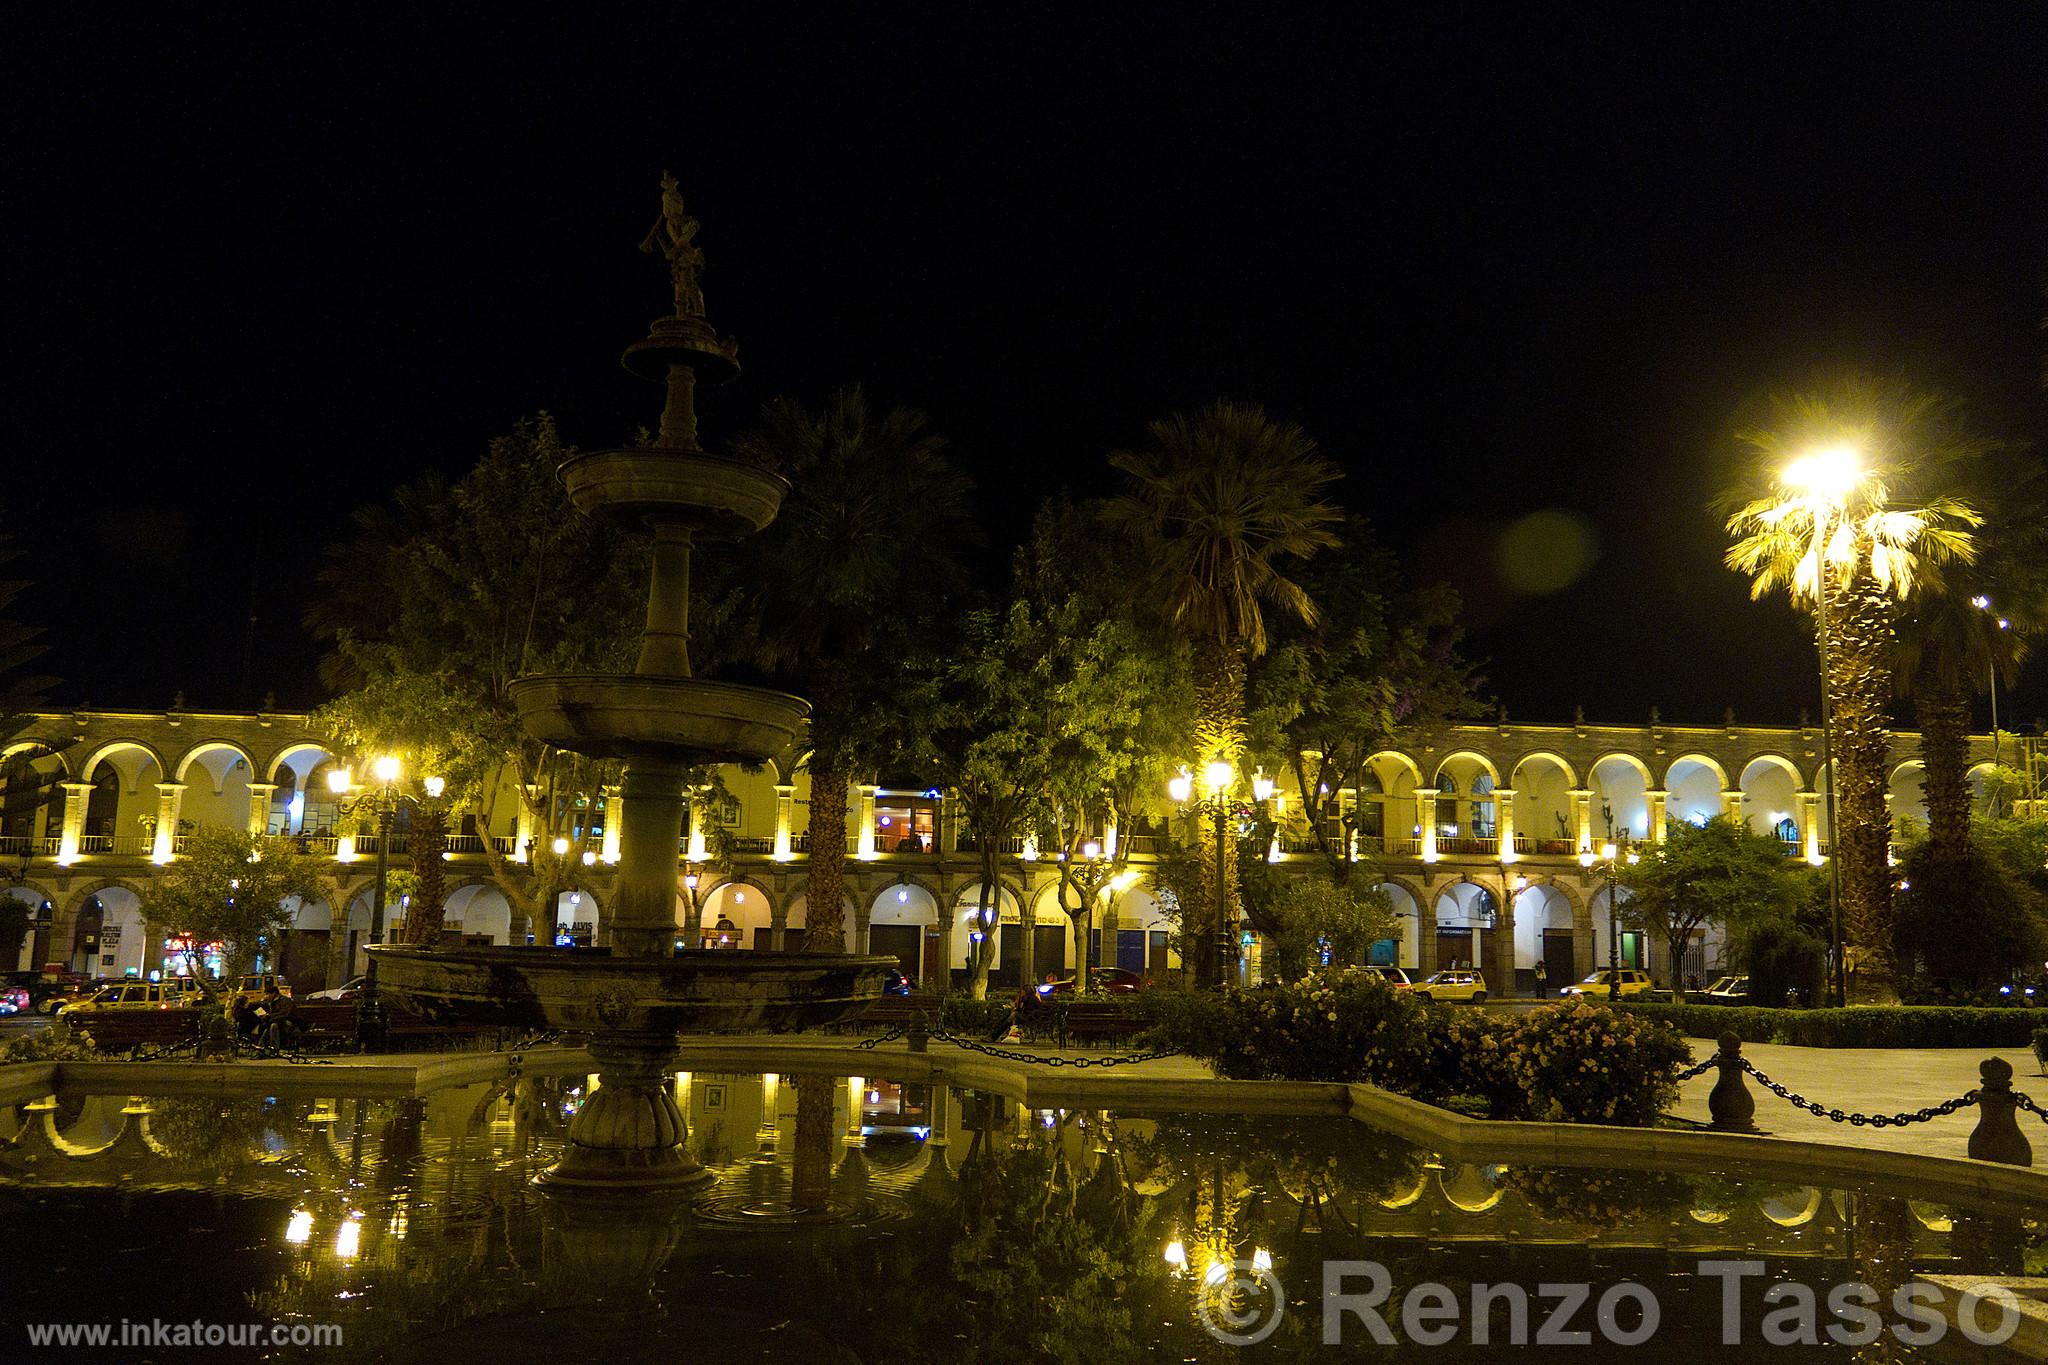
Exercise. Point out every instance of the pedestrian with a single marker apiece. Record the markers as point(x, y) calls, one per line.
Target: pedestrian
point(1542, 979)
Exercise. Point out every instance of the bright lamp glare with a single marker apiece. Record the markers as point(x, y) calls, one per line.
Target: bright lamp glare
point(560, 846)
point(435, 786)
point(1607, 852)
point(300, 1228)
point(337, 780)
point(1218, 775)
point(386, 768)
point(1828, 473)
point(1180, 788)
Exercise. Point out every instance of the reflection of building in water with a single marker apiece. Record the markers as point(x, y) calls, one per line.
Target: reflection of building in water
point(94, 804)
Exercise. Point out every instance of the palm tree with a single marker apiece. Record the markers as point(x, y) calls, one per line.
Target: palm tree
point(1952, 642)
point(1220, 502)
point(866, 542)
point(1878, 536)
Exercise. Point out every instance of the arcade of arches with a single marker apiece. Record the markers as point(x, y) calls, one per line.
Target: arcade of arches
point(1476, 840)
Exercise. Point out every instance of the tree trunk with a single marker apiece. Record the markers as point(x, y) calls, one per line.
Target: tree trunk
point(825, 896)
point(981, 952)
point(426, 842)
point(1943, 712)
point(1219, 733)
point(1860, 688)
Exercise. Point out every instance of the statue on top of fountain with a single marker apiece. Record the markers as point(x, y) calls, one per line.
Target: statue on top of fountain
point(674, 234)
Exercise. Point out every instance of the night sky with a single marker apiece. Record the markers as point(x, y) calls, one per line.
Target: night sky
point(1500, 261)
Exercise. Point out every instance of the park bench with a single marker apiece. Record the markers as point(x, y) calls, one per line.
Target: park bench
point(1100, 1021)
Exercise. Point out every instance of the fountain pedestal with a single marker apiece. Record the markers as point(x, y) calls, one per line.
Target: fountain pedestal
point(636, 996)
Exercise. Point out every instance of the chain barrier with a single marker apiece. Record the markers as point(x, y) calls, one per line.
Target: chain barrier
point(870, 1044)
point(2026, 1102)
point(1962, 1101)
point(1082, 1063)
point(1699, 1070)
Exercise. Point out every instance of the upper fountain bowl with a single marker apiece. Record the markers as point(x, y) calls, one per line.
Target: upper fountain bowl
point(722, 497)
point(665, 719)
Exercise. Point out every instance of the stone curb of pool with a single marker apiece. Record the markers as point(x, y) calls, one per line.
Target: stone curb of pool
point(1448, 1134)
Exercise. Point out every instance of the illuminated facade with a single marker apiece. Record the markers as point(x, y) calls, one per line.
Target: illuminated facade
point(1453, 828)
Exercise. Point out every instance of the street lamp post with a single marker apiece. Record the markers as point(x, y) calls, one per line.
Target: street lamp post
point(1825, 477)
point(1983, 604)
point(1219, 781)
point(1610, 855)
point(383, 799)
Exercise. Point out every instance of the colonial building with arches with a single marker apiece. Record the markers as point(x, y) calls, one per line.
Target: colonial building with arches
point(1475, 835)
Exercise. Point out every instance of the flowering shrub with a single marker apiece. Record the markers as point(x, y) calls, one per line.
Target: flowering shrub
point(1573, 1063)
point(1345, 1025)
point(1464, 1054)
point(1581, 1063)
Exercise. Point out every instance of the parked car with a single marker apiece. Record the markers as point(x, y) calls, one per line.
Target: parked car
point(13, 999)
point(1599, 985)
point(897, 984)
point(1397, 977)
point(1729, 990)
point(51, 995)
point(1455, 985)
point(123, 996)
point(347, 990)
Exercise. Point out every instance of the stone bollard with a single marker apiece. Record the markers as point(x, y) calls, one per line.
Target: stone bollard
point(1732, 1106)
point(1997, 1136)
point(919, 1040)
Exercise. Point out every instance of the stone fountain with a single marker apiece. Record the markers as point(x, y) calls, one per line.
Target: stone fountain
point(635, 998)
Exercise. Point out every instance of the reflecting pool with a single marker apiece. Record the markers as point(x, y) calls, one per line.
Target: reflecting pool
point(857, 1219)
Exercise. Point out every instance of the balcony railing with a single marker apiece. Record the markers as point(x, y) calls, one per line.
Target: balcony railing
point(28, 846)
point(1012, 845)
point(754, 844)
point(1465, 845)
point(1142, 845)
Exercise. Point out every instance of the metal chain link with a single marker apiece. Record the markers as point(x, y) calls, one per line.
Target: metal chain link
point(1962, 1101)
point(2026, 1102)
point(1082, 1063)
point(870, 1044)
point(1699, 1070)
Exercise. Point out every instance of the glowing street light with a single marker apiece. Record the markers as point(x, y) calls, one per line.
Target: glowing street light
point(387, 768)
point(1826, 477)
point(339, 781)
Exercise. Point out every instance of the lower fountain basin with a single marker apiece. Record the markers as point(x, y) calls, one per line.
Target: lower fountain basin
point(587, 990)
point(678, 720)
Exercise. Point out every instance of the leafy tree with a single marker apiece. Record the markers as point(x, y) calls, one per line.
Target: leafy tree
point(1099, 693)
point(1222, 503)
point(1895, 527)
point(431, 610)
point(1721, 872)
point(1311, 913)
point(1965, 923)
point(1379, 661)
point(979, 744)
point(21, 692)
point(2020, 847)
point(863, 550)
point(235, 888)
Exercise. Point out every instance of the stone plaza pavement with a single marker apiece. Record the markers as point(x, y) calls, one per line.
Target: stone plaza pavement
point(1874, 1081)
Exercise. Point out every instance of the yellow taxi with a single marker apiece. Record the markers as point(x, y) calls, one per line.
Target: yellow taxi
point(1596, 986)
point(1454, 985)
point(133, 995)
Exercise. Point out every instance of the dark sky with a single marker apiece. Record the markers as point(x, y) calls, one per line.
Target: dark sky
point(1500, 260)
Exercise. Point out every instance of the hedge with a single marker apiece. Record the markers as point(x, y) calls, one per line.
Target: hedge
point(1856, 1026)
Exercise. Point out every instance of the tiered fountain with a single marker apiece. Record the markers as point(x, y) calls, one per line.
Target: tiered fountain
point(635, 998)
